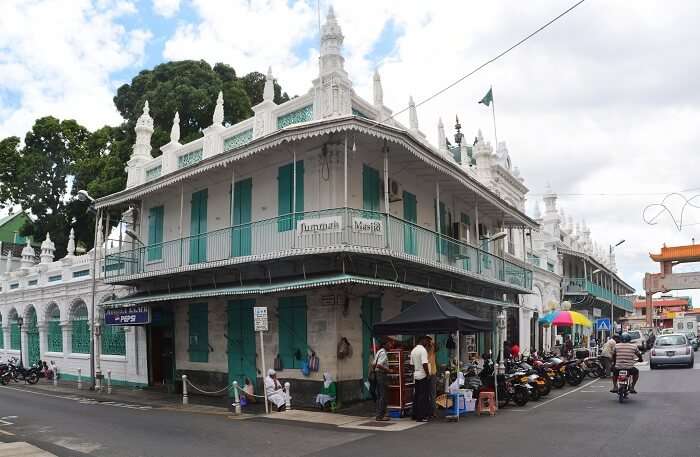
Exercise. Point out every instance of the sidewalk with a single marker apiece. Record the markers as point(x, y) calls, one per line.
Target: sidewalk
point(134, 398)
point(22, 449)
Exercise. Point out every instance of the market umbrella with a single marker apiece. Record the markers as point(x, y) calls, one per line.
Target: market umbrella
point(565, 319)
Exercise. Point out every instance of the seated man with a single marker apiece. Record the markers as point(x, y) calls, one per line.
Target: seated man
point(274, 390)
point(328, 391)
point(625, 354)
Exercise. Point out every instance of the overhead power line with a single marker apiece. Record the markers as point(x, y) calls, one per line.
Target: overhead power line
point(488, 62)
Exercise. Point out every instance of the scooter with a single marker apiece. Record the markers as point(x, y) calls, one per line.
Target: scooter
point(622, 385)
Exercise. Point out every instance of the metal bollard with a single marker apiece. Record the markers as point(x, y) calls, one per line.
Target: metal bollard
point(288, 401)
point(185, 397)
point(109, 381)
point(54, 368)
point(236, 399)
point(80, 379)
point(447, 381)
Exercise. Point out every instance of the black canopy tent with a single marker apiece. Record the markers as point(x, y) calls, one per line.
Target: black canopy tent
point(432, 314)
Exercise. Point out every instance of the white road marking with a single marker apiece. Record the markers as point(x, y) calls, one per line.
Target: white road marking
point(83, 400)
point(565, 394)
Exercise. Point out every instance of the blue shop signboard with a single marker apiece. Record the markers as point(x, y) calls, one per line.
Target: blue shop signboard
point(129, 315)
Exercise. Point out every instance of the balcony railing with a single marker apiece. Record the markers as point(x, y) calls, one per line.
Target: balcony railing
point(578, 285)
point(311, 232)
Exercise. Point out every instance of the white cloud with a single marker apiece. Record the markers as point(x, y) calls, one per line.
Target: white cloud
point(166, 8)
point(56, 59)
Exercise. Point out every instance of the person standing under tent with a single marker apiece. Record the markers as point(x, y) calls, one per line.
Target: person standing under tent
point(421, 371)
point(380, 368)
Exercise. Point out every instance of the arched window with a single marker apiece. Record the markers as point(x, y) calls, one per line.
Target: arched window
point(55, 336)
point(14, 331)
point(33, 347)
point(113, 340)
point(80, 330)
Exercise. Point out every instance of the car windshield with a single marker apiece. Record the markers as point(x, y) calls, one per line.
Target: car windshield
point(671, 340)
point(635, 335)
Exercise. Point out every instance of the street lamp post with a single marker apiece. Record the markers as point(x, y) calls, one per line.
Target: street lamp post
point(612, 285)
point(95, 368)
point(20, 322)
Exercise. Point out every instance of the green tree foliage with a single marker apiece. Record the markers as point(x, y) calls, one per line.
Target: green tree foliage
point(60, 157)
point(254, 84)
point(187, 86)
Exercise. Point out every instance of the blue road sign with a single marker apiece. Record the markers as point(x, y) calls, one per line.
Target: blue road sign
point(602, 324)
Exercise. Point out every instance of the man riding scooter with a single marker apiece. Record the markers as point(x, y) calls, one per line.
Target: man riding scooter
point(625, 354)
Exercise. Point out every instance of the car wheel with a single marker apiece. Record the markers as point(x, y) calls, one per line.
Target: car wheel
point(690, 365)
point(652, 366)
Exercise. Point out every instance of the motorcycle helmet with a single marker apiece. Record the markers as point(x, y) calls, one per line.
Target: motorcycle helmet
point(626, 338)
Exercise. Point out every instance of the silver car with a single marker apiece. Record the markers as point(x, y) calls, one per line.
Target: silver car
point(672, 349)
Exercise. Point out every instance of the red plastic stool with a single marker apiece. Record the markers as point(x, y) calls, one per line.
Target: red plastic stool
point(487, 402)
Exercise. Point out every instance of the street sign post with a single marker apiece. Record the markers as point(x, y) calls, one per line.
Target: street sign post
point(603, 324)
point(260, 323)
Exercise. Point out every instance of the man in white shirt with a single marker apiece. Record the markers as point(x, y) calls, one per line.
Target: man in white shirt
point(421, 371)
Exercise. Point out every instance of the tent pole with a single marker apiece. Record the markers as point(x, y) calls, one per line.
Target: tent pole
point(458, 355)
point(493, 357)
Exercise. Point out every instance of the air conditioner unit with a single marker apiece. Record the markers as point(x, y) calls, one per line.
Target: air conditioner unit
point(394, 191)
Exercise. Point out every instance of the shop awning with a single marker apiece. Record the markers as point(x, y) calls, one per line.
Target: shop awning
point(432, 314)
point(273, 288)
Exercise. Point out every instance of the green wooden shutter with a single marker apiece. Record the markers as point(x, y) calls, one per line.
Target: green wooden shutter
point(80, 332)
point(410, 214)
point(370, 190)
point(155, 233)
point(14, 336)
point(198, 227)
point(293, 345)
point(55, 335)
point(199, 332)
point(242, 213)
point(113, 340)
point(285, 195)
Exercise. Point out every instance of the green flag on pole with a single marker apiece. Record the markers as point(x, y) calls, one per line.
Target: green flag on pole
point(488, 98)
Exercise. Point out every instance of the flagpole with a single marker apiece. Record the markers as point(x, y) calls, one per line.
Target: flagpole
point(493, 111)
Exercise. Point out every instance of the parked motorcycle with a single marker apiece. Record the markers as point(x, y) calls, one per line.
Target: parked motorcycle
point(511, 386)
point(593, 367)
point(15, 372)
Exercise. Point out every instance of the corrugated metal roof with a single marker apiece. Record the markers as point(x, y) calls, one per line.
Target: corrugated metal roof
point(261, 289)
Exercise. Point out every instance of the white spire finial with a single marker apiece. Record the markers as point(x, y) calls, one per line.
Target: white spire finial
point(442, 139)
point(47, 250)
point(71, 243)
point(144, 130)
point(269, 91)
point(100, 237)
point(218, 117)
point(378, 91)
point(175, 130)
point(331, 13)
point(412, 114)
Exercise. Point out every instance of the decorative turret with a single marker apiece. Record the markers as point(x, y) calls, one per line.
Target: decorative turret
point(8, 264)
point(332, 89)
point(144, 131)
point(331, 59)
point(175, 130)
point(378, 91)
point(28, 255)
point(47, 250)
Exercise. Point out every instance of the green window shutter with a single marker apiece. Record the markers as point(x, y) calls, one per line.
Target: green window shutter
point(55, 336)
point(370, 189)
point(198, 319)
point(80, 332)
point(285, 194)
point(293, 345)
point(155, 233)
point(410, 214)
point(113, 340)
point(242, 214)
point(284, 198)
point(198, 227)
point(14, 336)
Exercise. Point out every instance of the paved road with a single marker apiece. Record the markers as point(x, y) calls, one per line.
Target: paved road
point(660, 421)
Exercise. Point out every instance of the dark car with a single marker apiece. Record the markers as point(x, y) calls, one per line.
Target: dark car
point(693, 340)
